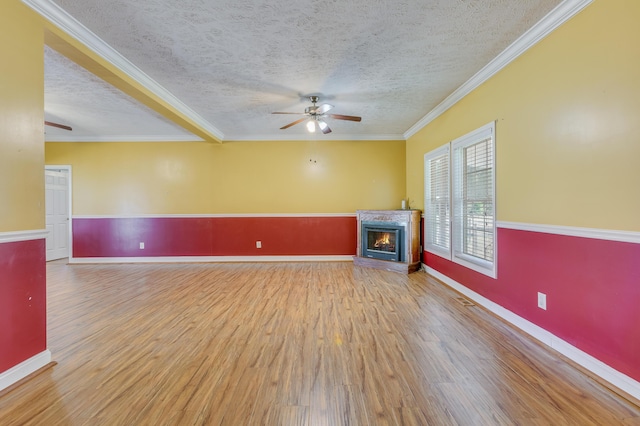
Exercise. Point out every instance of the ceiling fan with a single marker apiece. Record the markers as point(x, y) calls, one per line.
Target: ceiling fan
point(315, 114)
point(59, 126)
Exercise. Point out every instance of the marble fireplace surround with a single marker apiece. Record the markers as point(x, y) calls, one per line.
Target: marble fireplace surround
point(410, 220)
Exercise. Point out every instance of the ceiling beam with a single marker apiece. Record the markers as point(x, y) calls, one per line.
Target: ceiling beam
point(73, 40)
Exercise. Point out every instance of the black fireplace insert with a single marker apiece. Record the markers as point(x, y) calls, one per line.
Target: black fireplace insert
point(383, 241)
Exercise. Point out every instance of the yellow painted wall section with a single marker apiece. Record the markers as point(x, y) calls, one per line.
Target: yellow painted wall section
point(21, 119)
point(230, 178)
point(568, 126)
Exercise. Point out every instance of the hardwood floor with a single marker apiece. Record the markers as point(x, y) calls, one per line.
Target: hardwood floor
point(290, 344)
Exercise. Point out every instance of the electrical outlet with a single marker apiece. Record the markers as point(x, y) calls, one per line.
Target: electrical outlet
point(258, 244)
point(141, 246)
point(542, 301)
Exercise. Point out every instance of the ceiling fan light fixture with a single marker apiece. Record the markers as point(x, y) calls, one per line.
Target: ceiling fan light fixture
point(311, 126)
point(314, 114)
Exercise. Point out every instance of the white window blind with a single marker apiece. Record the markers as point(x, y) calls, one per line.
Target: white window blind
point(473, 202)
point(437, 227)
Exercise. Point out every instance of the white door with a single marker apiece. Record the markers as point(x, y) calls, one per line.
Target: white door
point(57, 213)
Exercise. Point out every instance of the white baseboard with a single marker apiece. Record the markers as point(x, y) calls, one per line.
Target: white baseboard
point(595, 366)
point(211, 259)
point(22, 370)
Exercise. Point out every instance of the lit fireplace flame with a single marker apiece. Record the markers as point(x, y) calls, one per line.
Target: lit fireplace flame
point(384, 241)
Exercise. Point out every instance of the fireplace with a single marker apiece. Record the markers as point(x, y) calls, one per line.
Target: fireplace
point(383, 241)
point(388, 239)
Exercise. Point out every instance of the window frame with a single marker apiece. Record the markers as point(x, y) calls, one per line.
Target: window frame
point(455, 253)
point(429, 245)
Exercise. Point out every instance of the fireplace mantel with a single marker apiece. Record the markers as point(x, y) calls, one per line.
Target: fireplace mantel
point(410, 220)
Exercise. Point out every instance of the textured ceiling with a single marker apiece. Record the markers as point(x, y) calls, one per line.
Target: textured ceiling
point(236, 61)
point(95, 109)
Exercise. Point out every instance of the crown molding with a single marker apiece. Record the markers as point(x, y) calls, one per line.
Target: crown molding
point(67, 23)
point(558, 16)
point(60, 18)
point(314, 137)
point(124, 138)
point(192, 138)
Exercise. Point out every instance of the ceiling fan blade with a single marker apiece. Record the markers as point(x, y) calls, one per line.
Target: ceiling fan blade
point(323, 108)
point(344, 117)
point(297, 113)
point(293, 124)
point(60, 126)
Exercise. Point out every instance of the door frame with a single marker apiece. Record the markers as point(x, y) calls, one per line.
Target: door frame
point(66, 168)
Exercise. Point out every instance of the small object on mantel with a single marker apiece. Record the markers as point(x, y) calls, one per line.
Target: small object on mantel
point(404, 204)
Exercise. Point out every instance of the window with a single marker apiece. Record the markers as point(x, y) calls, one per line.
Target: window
point(437, 202)
point(469, 177)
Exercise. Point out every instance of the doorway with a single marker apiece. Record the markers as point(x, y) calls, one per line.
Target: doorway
point(58, 211)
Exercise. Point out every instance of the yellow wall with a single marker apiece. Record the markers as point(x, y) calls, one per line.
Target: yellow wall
point(568, 125)
point(209, 178)
point(21, 119)
point(234, 177)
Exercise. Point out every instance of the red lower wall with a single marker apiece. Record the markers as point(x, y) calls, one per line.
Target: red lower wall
point(592, 288)
point(23, 326)
point(230, 236)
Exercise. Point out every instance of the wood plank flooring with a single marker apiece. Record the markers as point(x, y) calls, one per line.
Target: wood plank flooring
point(290, 344)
